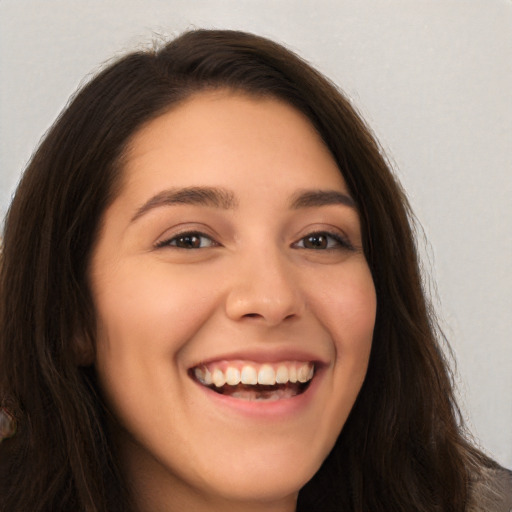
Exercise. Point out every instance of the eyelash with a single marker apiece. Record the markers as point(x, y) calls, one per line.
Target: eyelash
point(173, 242)
point(340, 242)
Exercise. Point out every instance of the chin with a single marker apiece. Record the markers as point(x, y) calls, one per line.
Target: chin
point(264, 476)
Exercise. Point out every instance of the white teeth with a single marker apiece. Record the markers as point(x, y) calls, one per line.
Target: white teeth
point(282, 374)
point(233, 376)
point(199, 373)
point(218, 378)
point(267, 375)
point(203, 376)
point(303, 374)
point(249, 375)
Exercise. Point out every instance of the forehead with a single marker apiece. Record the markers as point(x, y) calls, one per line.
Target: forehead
point(227, 136)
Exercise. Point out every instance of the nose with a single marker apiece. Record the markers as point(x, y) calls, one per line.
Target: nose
point(264, 288)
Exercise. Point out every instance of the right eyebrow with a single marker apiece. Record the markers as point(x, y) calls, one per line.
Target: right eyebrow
point(205, 196)
point(312, 198)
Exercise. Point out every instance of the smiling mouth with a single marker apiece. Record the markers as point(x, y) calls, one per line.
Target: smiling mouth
point(255, 382)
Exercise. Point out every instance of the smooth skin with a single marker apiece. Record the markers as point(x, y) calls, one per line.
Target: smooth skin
point(233, 236)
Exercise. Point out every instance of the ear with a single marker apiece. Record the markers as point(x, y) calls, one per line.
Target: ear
point(7, 424)
point(83, 348)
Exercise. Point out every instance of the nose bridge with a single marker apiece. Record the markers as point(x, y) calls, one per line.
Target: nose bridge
point(264, 287)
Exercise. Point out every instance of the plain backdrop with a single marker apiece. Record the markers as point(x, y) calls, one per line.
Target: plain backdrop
point(433, 79)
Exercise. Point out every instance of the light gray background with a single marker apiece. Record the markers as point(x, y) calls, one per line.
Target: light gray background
point(433, 78)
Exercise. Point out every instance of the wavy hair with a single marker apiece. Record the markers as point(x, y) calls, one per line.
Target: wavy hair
point(402, 447)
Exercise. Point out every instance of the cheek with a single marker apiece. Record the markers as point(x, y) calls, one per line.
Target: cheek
point(144, 320)
point(353, 333)
point(347, 310)
point(150, 308)
point(347, 307)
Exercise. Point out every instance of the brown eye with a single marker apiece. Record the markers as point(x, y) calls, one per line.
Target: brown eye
point(322, 241)
point(316, 242)
point(188, 241)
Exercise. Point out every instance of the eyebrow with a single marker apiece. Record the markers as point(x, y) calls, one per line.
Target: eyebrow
point(225, 199)
point(312, 198)
point(203, 196)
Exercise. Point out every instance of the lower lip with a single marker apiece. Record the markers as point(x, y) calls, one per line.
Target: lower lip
point(266, 409)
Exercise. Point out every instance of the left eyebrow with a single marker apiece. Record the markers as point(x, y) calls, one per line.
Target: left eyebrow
point(312, 198)
point(204, 196)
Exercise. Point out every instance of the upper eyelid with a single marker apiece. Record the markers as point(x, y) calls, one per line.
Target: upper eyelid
point(183, 228)
point(324, 228)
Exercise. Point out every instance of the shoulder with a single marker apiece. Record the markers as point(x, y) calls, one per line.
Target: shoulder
point(491, 491)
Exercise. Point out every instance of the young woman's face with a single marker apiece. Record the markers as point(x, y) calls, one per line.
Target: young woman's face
point(235, 308)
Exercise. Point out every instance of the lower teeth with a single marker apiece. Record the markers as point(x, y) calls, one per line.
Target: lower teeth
point(262, 393)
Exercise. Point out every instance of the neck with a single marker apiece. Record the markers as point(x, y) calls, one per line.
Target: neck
point(168, 500)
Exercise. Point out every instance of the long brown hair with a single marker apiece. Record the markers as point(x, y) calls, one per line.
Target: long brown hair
point(402, 447)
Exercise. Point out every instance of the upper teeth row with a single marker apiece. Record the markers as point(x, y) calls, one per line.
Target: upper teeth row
point(250, 374)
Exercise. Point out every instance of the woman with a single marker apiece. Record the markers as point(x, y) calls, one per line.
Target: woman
point(211, 301)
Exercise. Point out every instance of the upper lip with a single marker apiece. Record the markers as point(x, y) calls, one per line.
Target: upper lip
point(265, 356)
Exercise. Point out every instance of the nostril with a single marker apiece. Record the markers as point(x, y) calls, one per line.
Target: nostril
point(252, 315)
point(262, 305)
point(257, 316)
